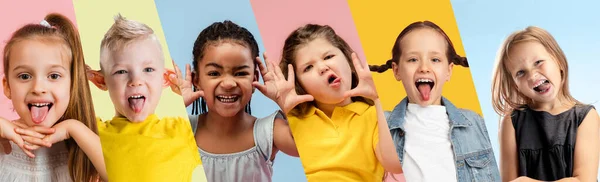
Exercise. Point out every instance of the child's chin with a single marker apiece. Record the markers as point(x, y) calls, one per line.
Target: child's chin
point(228, 112)
point(137, 117)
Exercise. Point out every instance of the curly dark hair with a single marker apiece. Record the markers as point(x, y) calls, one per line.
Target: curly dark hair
point(217, 33)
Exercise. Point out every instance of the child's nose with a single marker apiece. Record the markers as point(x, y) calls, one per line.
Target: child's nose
point(323, 69)
point(228, 83)
point(532, 77)
point(39, 87)
point(135, 81)
point(424, 67)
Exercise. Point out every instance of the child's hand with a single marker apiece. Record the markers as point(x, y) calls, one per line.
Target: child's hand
point(523, 179)
point(34, 136)
point(366, 86)
point(62, 131)
point(184, 87)
point(276, 88)
point(7, 133)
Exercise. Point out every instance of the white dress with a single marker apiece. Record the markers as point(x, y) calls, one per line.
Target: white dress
point(49, 164)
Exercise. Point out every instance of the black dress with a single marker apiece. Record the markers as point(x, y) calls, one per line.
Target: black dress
point(546, 142)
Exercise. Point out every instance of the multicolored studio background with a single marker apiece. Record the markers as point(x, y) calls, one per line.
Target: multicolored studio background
point(369, 27)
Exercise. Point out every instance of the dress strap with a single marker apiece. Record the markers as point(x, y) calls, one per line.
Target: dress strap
point(263, 134)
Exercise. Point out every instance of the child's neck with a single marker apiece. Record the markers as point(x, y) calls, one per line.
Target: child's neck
point(328, 108)
point(226, 126)
point(558, 105)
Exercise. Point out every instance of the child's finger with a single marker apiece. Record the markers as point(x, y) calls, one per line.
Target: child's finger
point(37, 141)
point(262, 88)
point(266, 59)
point(305, 98)
point(177, 72)
point(175, 66)
point(271, 67)
point(43, 130)
point(31, 147)
point(356, 62)
point(197, 94)
point(28, 152)
point(291, 75)
point(261, 67)
point(29, 133)
point(351, 93)
point(19, 141)
point(188, 73)
point(20, 125)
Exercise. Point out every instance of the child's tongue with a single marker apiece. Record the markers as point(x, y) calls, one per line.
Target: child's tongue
point(425, 90)
point(544, 86)
point(136, 104)
point(38, 114)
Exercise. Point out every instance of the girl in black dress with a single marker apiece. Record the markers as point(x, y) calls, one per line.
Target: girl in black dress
point(545, 133)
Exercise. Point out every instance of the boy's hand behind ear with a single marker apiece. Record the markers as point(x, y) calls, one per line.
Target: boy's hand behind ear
point(182, 86)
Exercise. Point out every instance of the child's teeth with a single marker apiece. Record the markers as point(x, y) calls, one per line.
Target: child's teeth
point(424, 80)
point(40, 104)
point(136, 96)
point(223, 98)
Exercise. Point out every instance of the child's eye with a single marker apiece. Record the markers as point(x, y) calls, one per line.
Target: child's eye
point(538, 62)
point(120, 72)
point(243, 73)
point(412, 60)
point(308, 68)
point(520, 73)
point(148, 69)
point(213, 73)
point(436, 60)
point(54, 76)
point(24, 76)
point(328, 57)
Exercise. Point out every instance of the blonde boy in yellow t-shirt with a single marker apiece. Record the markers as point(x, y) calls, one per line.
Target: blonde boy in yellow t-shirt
point(137, 144)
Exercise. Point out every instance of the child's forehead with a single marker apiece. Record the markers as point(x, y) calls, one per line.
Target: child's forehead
point(140, 52)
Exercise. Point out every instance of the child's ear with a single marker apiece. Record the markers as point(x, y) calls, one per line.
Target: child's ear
point(449, 71)
point(395, 69)
point(256, 76)
point(97, 78)
point(167, 78)
point(195, 80)
point(6, 87)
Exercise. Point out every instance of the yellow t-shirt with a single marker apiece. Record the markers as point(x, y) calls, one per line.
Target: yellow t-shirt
point(158, 149)
point(340, 148)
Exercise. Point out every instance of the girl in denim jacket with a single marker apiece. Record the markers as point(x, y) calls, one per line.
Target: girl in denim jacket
point(435, 141)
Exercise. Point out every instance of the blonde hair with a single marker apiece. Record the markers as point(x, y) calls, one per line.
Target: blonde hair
point(120, 34)
point(505, 96)
point(62, 32)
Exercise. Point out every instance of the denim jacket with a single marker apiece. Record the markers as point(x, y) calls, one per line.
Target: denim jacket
point(473, 154)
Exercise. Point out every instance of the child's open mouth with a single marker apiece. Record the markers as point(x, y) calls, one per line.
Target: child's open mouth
point(136, 102)
point(424, 85)
point(542, 86)
point(227, 98)
point(334, 81)
point(39, 111)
